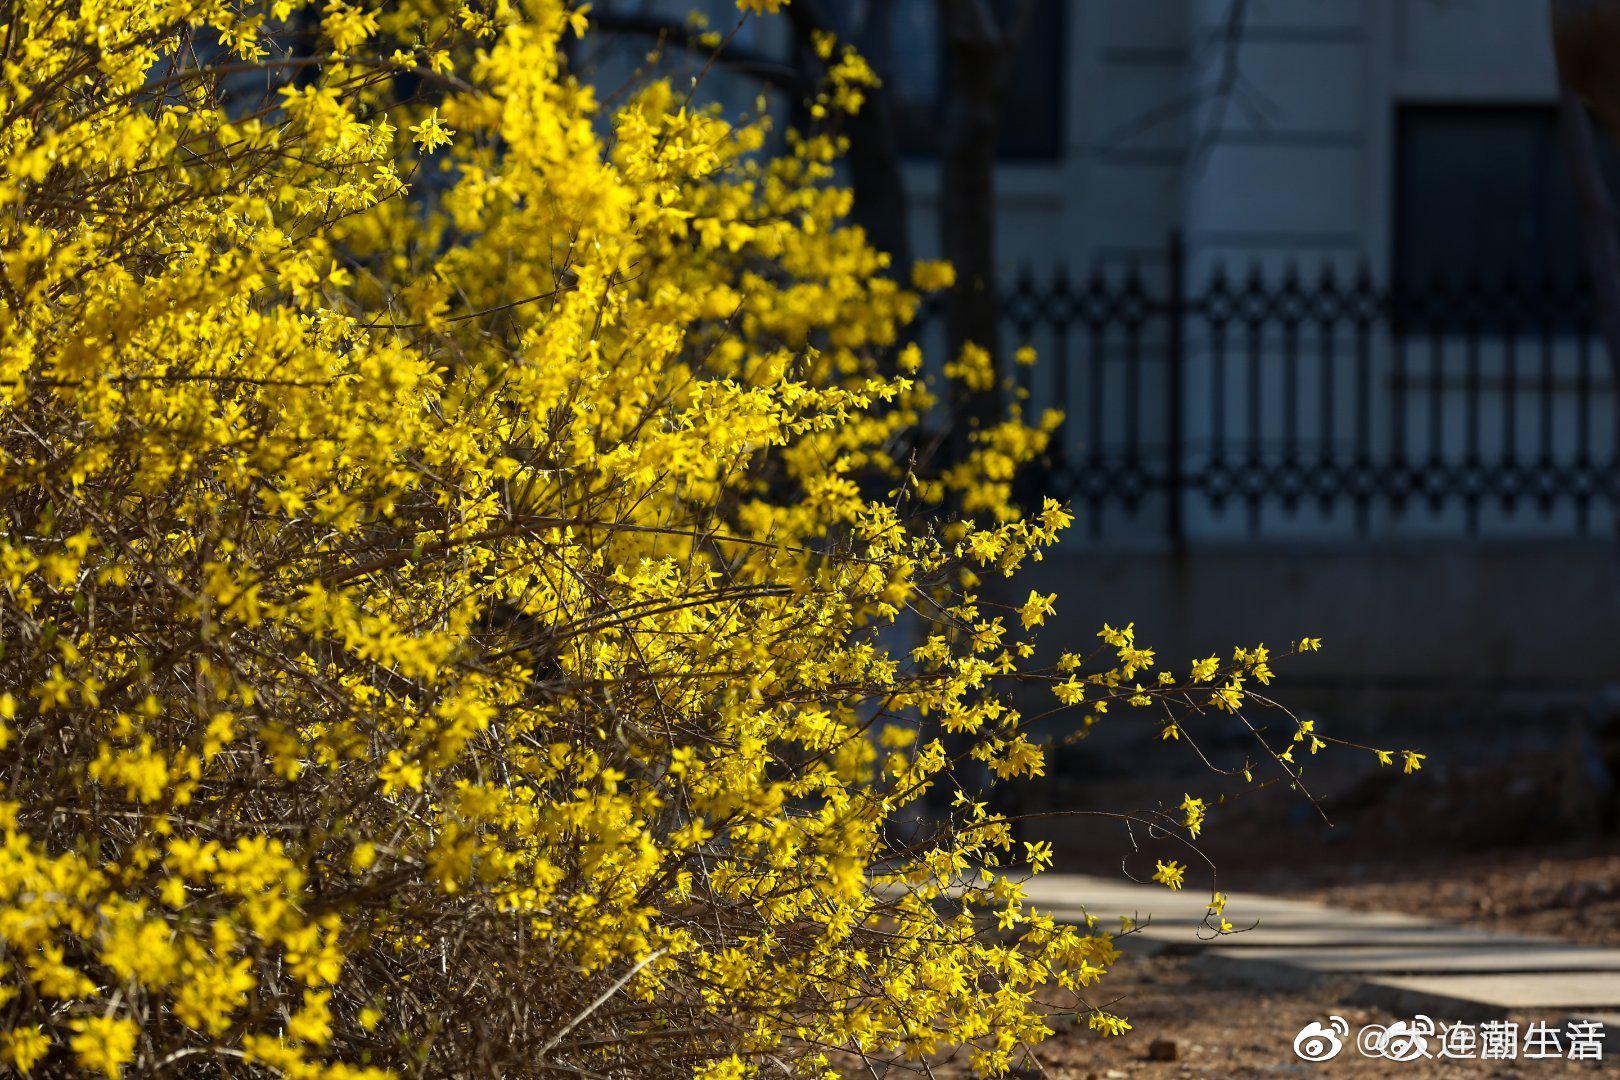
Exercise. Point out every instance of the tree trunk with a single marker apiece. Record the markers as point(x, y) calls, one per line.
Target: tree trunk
point(876, 178)
point(876, 175)
point(1586, 43)
point(1599, 225)
point(976, 64)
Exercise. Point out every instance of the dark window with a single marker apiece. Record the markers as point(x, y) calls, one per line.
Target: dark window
point(1482, 196)
point(914, 67)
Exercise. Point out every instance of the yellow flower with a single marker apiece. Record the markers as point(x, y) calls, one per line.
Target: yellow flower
point(933, 275)
point(1192, 811)
point(1038, 854)
point(21, 1048)
point(103, 1044)
point(364, 855)
point(974, 368)
point(1170, 873)
point(501, 572)
point(313, 1023)
point(431, 133)
point(1036, 609)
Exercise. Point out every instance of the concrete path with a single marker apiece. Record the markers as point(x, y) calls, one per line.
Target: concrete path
point(1404, 964)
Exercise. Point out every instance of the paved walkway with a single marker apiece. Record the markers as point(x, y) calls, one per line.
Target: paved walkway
point(1404, 964)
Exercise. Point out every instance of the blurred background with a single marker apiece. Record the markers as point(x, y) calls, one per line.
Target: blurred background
point(1308, 279)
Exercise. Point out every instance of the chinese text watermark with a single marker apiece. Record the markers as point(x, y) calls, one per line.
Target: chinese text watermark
point(1421, 1037)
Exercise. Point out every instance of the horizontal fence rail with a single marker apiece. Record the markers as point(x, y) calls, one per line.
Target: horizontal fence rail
point(1318, 404)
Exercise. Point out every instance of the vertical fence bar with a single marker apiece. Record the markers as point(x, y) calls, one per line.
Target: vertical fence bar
point(1218, 308)
point(1175, 361)
point(1398, 307)
point(1546, 484)
point(1327, 462)
point(1583, 430)
point(1254, 474)
point(1135, 300)
point(1508, 479)
point(1096, 384)
point(1063, 317)
point(1364, 482)
point(1473, 380)
point(1434, 473)
point(1290, 475)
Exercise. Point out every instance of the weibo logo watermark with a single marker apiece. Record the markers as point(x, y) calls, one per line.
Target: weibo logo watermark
point(1317, 1043)
point(1404, 1040)
point(1421, 1037)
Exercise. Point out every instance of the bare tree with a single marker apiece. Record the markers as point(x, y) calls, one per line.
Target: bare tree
point(1214, 94)
point(979, 50)
point(1586, 44)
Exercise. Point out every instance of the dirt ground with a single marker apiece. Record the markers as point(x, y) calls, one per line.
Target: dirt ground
point(1569, 892)
point(1223, 1031)
point(1190, 1022)
point(1481, 837)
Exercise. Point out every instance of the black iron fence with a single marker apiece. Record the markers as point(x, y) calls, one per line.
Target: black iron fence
point(1318, 402)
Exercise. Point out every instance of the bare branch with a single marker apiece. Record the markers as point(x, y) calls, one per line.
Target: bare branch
point(728, 55)
point(1228, 87)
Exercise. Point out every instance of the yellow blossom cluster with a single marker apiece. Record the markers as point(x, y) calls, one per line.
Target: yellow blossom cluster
point(461, 561)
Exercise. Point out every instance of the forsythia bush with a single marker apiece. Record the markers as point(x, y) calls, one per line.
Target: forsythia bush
point(467, 603)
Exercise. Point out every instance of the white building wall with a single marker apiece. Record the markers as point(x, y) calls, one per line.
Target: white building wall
point(1298, 160)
